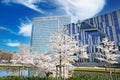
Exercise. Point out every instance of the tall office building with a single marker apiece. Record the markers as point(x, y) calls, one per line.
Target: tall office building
point(91, 31)
point(43, 27)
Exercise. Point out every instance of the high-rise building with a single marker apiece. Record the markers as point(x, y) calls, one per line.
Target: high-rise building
point(43, 27)
point(91, 31)
point(109, 24)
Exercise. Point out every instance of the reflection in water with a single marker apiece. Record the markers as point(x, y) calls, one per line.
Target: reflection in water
point(13, 71)
point(4, 73)
point(17, 71)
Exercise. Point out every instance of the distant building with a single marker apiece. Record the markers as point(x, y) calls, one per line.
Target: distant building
point(91, 31)
point(41, 29)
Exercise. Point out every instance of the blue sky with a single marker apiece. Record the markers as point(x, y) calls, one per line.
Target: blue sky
point(16, 16)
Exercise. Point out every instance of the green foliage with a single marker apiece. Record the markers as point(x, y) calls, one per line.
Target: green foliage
point(26, 78)
point(75, 77)
point(88, 77)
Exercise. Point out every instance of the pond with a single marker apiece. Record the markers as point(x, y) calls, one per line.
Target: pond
point(17, 71)
point(10, 71)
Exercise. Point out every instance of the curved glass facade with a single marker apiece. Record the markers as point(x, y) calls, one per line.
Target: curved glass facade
point(91, 31)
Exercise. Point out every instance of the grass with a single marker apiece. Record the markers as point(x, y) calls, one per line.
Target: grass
point(25, 78)
point(76, 76)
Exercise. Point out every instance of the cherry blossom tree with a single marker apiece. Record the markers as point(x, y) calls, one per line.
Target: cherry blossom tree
point(108, 53)
point(64, 46)
point(83, 53)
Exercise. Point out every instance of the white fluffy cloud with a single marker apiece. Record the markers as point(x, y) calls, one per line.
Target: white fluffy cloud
point(16, 44)
point(81, 9)
point(77, 9)
point(27, 3)
point(25, 29)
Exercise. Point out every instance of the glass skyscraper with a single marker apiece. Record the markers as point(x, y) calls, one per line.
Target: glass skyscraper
point(43, 27)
